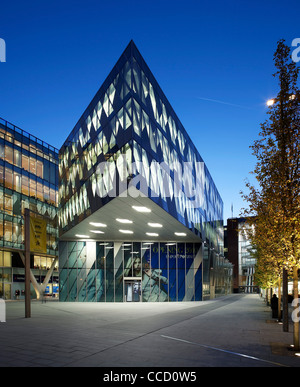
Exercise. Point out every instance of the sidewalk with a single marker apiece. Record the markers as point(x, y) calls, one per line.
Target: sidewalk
point(231, 331)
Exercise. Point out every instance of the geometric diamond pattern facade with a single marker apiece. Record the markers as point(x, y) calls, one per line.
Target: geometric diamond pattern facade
point(131, 121)
point(130, 134)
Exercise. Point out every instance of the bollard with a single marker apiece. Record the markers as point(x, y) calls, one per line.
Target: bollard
point(2, 310)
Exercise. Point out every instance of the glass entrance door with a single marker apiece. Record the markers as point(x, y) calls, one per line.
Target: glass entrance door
point(132, 290)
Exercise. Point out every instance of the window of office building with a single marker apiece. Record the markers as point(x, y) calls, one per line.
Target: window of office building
point(9, 154)
point(32, 188)
point(39, 169)
point(7, 230)
point(39, 191)
point(25, 185)
point(32, 165)
point(17, 182)
point(1, 175)
point(5, 258)
point(25, 162)
point(9, 178)
point(7, 203)
point(17, 158)
point(43, 263)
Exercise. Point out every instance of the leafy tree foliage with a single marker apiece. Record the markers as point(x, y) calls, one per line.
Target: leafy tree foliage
point(274, 206)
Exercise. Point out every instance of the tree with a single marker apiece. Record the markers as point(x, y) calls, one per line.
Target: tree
point(265, 247)
point(276, 202)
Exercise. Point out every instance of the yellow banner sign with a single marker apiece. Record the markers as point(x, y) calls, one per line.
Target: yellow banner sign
point(38, 235)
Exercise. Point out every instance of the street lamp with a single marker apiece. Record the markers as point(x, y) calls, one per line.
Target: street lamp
point(271, 101)
point(27, 263)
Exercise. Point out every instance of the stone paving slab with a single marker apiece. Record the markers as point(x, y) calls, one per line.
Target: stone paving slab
point(231, 331)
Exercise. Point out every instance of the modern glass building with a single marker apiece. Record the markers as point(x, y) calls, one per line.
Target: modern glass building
point(28, 179)
point(239, 252)
point(140, 218)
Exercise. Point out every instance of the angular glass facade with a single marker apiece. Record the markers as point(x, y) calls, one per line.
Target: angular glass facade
point(129, 144)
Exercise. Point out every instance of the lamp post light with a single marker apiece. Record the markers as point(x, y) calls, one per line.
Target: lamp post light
point(27, 264)
point(271, 101)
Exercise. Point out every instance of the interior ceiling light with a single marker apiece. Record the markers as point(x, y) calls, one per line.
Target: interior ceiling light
point(151, 233)
point(81, 236)
point(97, 231)
point(98, 224)
point(141, 209)
point(123, 220)
point(154, 224)
point(126, 231)
point(180, 233)
point(170, 244)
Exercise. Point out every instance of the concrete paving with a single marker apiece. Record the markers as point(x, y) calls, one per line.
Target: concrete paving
point(231, 331)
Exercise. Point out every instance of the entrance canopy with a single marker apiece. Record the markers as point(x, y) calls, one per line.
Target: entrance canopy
point(131, 219)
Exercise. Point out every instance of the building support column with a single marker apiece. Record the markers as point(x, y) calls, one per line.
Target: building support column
point(39, 289)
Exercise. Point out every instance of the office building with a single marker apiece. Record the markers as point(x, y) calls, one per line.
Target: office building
point(28, 179)
point(140, 217)
point(238, 251)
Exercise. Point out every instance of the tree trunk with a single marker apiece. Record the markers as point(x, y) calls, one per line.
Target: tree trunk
point(285, 306)
point(279, 299)
point(296, 321)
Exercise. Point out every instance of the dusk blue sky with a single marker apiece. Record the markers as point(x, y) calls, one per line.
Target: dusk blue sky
point(212, 59)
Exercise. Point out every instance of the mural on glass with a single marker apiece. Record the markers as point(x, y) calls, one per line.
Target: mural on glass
point(131, 272)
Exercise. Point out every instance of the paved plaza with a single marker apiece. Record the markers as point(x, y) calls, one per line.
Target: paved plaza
point(231, 331)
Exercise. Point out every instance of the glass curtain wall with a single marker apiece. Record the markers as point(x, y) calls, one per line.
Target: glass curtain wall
point(5, 274)
point(137, 271)
point(28, 179)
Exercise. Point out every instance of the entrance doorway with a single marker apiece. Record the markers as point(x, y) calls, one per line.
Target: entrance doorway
point(133, 290)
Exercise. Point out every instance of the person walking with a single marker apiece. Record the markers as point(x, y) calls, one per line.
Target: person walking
point(274, 306)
